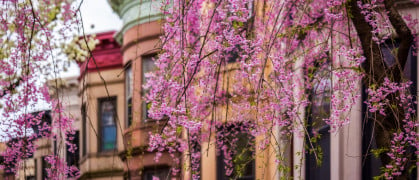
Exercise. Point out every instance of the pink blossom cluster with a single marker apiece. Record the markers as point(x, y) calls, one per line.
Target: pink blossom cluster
point(59, 168)
point(378, 96)
point(233, 61)
point(406, 137)
point(30, 36)
point(377, 20)
point(227, 138)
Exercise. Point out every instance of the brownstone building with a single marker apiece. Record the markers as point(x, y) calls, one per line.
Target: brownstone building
point(139, 39)
point(102, 111)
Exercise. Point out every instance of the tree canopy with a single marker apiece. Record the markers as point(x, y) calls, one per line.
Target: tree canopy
point(268, 64)
point(257, 68)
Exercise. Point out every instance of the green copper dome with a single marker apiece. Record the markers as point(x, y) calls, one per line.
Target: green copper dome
point(134, 12)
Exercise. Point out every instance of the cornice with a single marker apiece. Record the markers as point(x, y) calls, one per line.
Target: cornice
point(135, 12)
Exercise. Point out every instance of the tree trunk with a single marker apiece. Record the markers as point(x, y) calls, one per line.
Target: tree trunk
point(376, 70)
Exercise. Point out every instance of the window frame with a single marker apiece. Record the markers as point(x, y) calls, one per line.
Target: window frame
point(219, 161)
point(113, 100)
point(153, 169)
point(323, 131)
point(83, 130)
point(70, 156)
point(144, 105)
point(129, 86)
point(44, 166)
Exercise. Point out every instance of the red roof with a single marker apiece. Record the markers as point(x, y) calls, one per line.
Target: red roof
point(106, 55)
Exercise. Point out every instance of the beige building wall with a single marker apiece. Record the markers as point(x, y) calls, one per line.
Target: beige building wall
point(96, 164)
point(346, 145)
point(65, 90)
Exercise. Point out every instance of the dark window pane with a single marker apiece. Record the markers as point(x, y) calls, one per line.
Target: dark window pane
point(321, 171)
point(30, 178)
point(159, 172)
point(318, 157)
point(45, 166)
point(128, 94)
point(83, 128)
point(243, 157)
point(233, 55)
point(196, 162)
point(129, 111)
point(73, 157)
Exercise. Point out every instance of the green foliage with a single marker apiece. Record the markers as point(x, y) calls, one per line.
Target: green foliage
point(378, 152)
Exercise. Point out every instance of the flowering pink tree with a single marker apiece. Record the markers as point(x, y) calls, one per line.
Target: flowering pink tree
point(260, 65)
point(31, 33)
point(231, 69)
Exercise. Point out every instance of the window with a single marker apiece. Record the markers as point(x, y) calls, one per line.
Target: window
point(195, 145)
point(240, 148)
point(128, 94)
point(46, 119)
point(147, 67)
point(55, 147)
point(233, 55)
point(45, 165)
point(30, 178)
point(318, 157)
point(370, 163)
point(72, 158)
point(36, 167)
point(157, 172)
point(107, 114)
point(83, 129)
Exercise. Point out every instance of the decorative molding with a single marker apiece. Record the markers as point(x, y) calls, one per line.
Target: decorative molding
point(102, 173)
point(140, 39)
point(135, 12)
point(133, 152)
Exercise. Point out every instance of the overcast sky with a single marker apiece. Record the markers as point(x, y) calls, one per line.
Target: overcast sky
point(98, 16)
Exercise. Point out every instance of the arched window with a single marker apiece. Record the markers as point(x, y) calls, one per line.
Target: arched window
point(318, 139)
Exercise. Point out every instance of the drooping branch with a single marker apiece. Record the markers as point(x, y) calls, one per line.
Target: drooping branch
point(376, 71)
point(374, 65)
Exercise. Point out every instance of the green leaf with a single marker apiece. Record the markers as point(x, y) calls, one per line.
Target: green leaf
point(179, 130)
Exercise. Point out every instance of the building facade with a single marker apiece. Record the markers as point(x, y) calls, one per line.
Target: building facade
point(102, 111)
point(66, 90)
point(139, 39)
point(113, 125)
point(346, 154)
